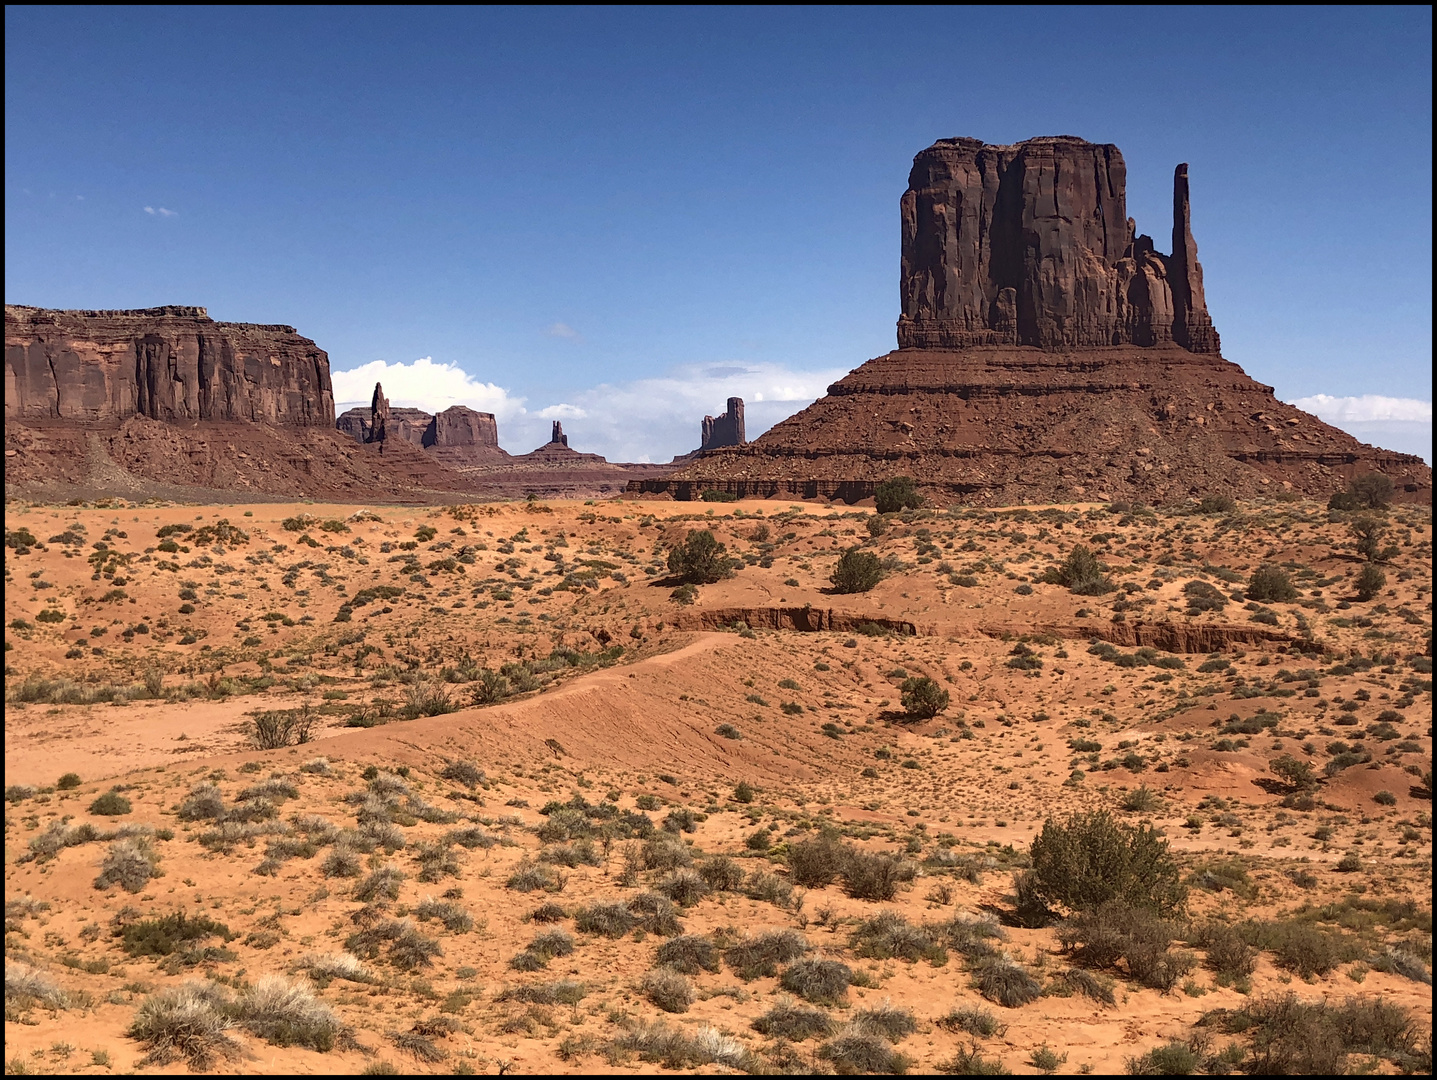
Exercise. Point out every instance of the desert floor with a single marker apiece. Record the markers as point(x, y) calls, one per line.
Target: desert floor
point(463, 671)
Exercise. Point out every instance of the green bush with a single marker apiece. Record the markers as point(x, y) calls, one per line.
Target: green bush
point(1270, 583)
point(700, 559)
point(111, 804)
point(1217, 504)
point(1091, 858)
point(923, 698)
point(856, 572)
point(814, 863)
point(714, 495)
point(1370, 581)
point(1081, 573)
point(899, 493)
point(1372, 491)
point(169, 934)
point(68, 782)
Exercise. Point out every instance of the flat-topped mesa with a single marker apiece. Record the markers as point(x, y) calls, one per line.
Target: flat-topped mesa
point(725, 430)
point(1030, 244)
point(170, 363)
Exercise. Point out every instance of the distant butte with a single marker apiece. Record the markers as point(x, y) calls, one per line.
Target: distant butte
point(1047, 352)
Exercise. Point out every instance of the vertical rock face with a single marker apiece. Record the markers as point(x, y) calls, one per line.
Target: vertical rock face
point(378, 416)
point(558, 438)
point(1030, 244)
point(165, 363)
point(725, 430)
point(461, 426)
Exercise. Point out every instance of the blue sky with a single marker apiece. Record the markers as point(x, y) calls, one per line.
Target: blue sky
point(618, 217)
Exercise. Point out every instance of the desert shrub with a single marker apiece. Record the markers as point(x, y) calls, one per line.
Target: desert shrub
point(681, 819)
point(1401, 962)
point(1176, 1058)
point(1004, 982)
point(721, 873)
point(889, 935)
point(191, 1021)
point(381, 884)
point(969, 1061)
point(1203, 597)
point(130, 863)
point(770, 888)
point(579, 853)
point(1370, 581)
point(887, 1020)
point(759, 957)
point(1228, 955)
point(668, 990)
point(276, 728)
point(455, 918)
point(898, 493)
point(168, 934)
point(204, 801)
point(678, 1049)
point(1301, 947)
point(26, 986)
point(814, 863)
point(608, 920)
point(436, 860)
point(1097, 988)
point(688, 954)
point(656, 914)
point(111, 804)
point(341, 862)
point(869, 876)
point(1081, 573)
point(324, 967)
point(665, 852)
point(700, 559)
point(1141, 800)
point(528, 877)
point(973, 1020)
point(525, 960)
point(1217, 504)
point(856, 572)
point(1092, 858)
point(547, 913)
point(1294, 772)
point(1270, 582)
point(859, 1049)
point(972, 938)
point(683, 887)
point(1288, 1036)
point(787, 1019)
point(563, 992)
point(824, 982)
point(923, 698)
point(552, 943)
point(275, 789)
point(408, 948)
point(1137, 936)
point(463, 772)
point(286, 1013)
point(318, 766)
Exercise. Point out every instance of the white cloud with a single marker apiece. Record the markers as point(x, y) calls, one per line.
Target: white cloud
point(160, 211)
point(562, 330)
point(561, 412)
point(425, 385)
point(1366, 408)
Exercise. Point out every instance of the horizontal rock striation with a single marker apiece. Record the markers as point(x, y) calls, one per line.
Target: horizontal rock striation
point(458, 435)
point(166, 363)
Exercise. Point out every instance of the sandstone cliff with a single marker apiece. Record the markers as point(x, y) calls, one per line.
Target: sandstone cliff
point(458, 435)
point(725, 430)
point(1031, 244)
point(166, 363)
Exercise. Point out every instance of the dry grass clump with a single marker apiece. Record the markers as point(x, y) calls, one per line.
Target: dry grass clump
point(892, 1023)
point(581, 852)
point(857, 1049)
point(679, 1049)
point(436, 860)
point(1097, 988)
point(408, 948)
point(26, 986)
point(770, 888)
point(656, 913)
point(721, 874)
point(317, 829)
point(463, 772)
point(130, 863)
point(787, 1019)
point(529, 877)
point(547, 913)
point(387, 785)
point(689, 954)
point(824, 982)
point(286, 1013)
point(191, 1021)
point(275, 789)
point(759, 957)
point(319, 766)
point(471, 836)
point(664, 852)
point(684, 887)
point(1288, 1036)
point(324, 967)
point(608, 920)
point(455, 918)
point(204, 802)
point(57, 836)
point(889, 935)
point(969, 1061)
point(382, 884)
point(974, 1020)
point(972, 938)
point(1002, 981)
point(668, 990)
point(563, 992)
point(341, 862)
